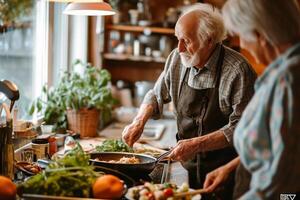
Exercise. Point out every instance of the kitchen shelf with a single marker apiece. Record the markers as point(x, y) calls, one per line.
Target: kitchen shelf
point(141, 29)
point(126, 57)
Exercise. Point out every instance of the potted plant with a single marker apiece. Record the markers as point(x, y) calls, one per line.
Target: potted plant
point(77, 101)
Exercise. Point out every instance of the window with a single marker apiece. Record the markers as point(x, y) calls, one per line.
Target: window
point(23, 54)
point(38, 47)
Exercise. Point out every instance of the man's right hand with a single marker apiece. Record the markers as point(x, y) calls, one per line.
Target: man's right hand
point(133, 132)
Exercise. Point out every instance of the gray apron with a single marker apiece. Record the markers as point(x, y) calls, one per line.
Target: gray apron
point(199, 114)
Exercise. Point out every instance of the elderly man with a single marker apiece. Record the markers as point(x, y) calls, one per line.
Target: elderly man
point(268, 135)
point(209, 85)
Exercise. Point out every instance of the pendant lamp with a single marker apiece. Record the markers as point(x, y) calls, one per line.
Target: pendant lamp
point(98, 8)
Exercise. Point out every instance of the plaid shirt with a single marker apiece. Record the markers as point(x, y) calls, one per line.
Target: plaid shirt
point(268, 135)
point(235, 90)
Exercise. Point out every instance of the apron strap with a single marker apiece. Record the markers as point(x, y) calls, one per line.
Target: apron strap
point(219, 65)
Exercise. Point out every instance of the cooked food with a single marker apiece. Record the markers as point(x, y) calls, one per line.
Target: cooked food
point(146, 151)
point(123, 160)
point(157, 191)
point(113, 145)
point(27, 167)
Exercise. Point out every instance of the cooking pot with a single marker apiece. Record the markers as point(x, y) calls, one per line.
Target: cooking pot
point(145, 166)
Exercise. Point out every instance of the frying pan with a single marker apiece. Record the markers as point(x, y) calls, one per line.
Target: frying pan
point(146, 165)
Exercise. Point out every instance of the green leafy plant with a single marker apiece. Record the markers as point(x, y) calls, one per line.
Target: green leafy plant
point(74, 91)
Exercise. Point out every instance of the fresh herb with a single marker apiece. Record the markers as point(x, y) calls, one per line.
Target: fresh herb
point(112, 145)
point(70, 176)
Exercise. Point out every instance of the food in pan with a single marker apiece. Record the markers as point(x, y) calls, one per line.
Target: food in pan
point(123, 160)
point(150, 152)
point(113, 145)
point(149, 191)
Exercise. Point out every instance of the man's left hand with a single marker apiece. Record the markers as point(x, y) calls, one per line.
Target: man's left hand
point(184, 150)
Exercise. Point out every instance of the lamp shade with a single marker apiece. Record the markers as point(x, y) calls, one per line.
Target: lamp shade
point(89, 9)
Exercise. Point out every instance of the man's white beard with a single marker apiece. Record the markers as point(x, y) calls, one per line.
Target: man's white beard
point(189, 60)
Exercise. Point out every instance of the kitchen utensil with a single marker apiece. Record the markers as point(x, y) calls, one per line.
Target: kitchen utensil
point(10, 90)
point(146, 165)
point(166, 171)
point(6, 144)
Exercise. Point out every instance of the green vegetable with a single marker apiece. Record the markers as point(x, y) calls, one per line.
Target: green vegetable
point(69, 176)
point(112, 145)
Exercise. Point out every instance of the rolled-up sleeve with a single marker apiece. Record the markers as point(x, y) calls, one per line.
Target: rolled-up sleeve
point(240, 87)
point(160, 94)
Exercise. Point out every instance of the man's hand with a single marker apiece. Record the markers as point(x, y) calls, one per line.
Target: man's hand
point(132, 132)
point(184, 150)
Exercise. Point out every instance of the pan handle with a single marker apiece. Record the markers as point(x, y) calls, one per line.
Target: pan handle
point(163, 155)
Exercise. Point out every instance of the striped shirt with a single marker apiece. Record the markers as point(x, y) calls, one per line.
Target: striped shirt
point(235, 90)
point(268, 135)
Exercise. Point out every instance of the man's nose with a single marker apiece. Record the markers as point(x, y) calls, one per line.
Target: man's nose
point(181, 47)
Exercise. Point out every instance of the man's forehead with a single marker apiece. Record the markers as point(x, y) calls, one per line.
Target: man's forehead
point(186, 27)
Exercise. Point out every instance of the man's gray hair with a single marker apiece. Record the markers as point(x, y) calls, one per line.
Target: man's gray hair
point(210, 21)
point(277, 20)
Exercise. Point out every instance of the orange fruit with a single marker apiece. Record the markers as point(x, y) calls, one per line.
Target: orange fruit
point(8, 189)
point(108, 187)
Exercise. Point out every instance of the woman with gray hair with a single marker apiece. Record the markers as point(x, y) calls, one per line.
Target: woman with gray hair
point(267, 137)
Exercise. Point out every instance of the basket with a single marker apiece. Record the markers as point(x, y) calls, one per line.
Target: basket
point(83, 121)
